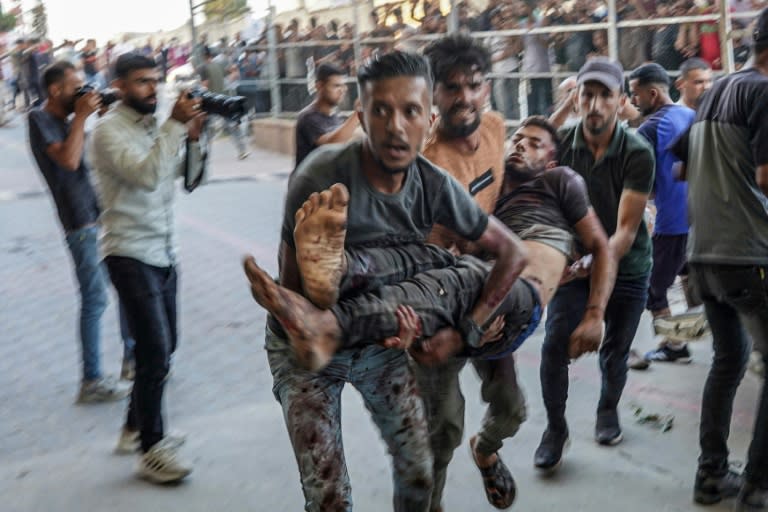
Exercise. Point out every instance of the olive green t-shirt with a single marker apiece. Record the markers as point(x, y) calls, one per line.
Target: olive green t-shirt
point(428, 196)
point(628, 164)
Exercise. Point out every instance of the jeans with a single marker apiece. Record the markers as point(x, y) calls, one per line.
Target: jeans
point(735, 298)
point(622, 316)
point(668, 263)
point(444, 404)
point(311, 405)
point(229, 127)
point(84, 246)
point(148, 295)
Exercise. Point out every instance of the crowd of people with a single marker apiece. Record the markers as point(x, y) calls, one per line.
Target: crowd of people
point(400, 25)
point(418, 237)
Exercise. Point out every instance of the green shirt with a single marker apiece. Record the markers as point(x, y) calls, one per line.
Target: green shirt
point(627, 164)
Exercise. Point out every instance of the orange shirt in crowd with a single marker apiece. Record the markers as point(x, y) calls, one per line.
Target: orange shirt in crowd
point(480, 171)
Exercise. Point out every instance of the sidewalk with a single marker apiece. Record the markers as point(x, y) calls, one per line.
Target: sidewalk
point(57, 457)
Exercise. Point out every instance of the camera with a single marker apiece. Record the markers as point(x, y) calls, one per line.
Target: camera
point(108, 96)
point(230, 107)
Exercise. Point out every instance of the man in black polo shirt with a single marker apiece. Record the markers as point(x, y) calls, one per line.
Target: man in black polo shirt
point(57, 145)
point(727, 171)
point(618, 167)
point(319, 123)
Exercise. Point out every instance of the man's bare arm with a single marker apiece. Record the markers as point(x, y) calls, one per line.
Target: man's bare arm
point(631, 210)
point(563, 110)
point(761, 176)
point(341, 134)
point(603, 274)
point(511, 257)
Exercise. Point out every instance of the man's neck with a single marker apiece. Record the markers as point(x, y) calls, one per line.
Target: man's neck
point(55, 110)
point(598, 144)
point(688, 103)
point(466, 144)
point(324, 107)
point(378, 178)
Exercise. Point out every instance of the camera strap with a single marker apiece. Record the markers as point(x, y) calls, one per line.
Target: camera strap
point(191, 182)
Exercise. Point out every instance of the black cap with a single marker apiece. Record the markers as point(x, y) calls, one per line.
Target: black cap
point(650, 73)
point(760, 35)
point(604, 70)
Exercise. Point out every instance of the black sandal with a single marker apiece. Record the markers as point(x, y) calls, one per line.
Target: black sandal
point(499, 485)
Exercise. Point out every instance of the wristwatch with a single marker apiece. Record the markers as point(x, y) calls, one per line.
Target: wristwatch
point(471, 332)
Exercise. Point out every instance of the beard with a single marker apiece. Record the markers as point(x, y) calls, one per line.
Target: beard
point(459, 130)
point(140, 106)
point(392, 171)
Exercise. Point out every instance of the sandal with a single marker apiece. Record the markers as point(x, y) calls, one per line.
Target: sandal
point(499, 485)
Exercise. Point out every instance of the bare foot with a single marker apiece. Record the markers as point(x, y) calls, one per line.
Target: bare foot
point(321, 227)
point(481, 461)
point(313, 333)
point(409, 329)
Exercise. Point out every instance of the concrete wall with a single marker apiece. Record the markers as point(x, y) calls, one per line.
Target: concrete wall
point(276, 135)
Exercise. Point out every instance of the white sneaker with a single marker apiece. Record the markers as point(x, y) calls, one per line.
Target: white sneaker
point(160, 464)
point(105, 389)
point(129, 442)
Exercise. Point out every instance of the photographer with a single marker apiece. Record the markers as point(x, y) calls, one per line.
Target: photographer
point(137, 162)
point(57, 145)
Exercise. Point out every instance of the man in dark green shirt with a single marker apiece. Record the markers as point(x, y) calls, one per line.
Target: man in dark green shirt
point(618, 167)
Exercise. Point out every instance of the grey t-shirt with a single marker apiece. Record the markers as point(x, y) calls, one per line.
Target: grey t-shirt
point(429, 196)
point(728, 140)
point(72, 192)
point(310, 126)
point(558, 198)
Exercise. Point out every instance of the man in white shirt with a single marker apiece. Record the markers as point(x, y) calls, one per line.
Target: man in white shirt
point(137, 163)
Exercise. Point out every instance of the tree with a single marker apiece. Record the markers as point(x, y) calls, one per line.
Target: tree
point(40, 20)
point(224, 9)
point(7, 21)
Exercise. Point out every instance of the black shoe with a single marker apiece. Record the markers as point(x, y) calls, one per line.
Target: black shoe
point(607, 429)
point(709, 489)
point(549, 454)
point(751, 499)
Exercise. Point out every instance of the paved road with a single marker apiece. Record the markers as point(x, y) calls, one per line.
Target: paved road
point(55, 456)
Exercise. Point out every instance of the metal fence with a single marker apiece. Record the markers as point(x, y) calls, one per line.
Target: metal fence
point(277, 96)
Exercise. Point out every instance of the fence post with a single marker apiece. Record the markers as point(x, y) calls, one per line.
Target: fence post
point(274, 69)
point(453, 18)
point(726, 43)
point(613, 33)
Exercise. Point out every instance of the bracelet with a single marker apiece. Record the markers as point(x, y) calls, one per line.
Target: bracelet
point(594, 306)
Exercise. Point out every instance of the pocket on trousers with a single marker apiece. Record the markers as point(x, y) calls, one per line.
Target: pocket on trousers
point(744, 288)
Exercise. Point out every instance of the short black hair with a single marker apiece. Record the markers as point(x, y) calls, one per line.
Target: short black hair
point(55, 72)
point(457, 52)
point(131, 61)
point(692, 65)
point(650, 74)
point(393, 65)
point(326, 71)
point(543, 123)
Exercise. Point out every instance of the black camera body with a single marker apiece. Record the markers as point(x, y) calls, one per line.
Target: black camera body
point(230, 107)
point(108, 96)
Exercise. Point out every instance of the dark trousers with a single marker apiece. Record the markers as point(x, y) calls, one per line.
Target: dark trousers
point(668, 263)
point(148, 295)
point(444, 403)
point(440, 287)
point(622, 315)
point(735, 298)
